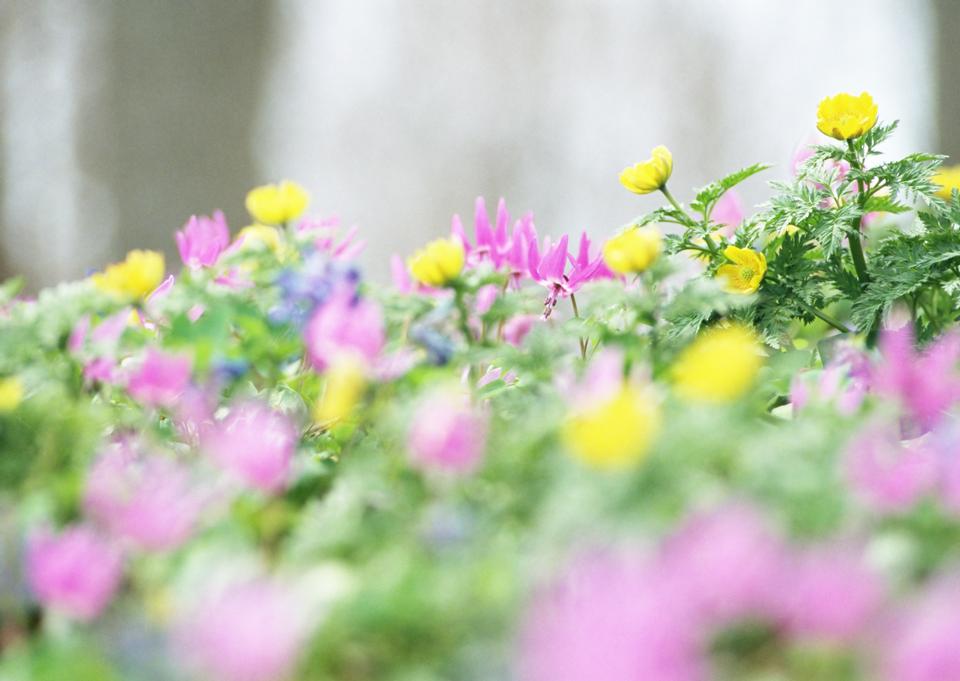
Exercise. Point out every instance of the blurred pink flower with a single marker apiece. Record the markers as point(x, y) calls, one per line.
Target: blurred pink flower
point(255, 443)
point(253, 631)
point(203, 239)
point(326, 232)
point(486, 297)
point(75, 572)
point(161, 378)
point(517, 328)
point(923, 645)
point(102, 369)
point(728, 211)
point(344, 325)
point(447, 434)
point(887, 473)
point(149, 500)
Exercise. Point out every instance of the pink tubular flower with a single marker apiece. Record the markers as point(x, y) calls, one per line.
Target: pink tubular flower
point(887, 474)
point(447, 435)
point(251, 631)
point(75, 572)
point(146, 499)
point(608, 619)
point(728, 211)
point(160, 379)
point(923, 645)
point(255, 443)
point(344, 325)
point(549, 270)
point(202, 240)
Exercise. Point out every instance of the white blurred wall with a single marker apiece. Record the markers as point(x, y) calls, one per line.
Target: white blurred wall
point(397, 113)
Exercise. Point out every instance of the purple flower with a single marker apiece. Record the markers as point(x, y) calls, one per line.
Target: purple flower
point(887, 474)
point(344, 325)
point(149, 500)
point(75, 571)
point(160, 379)
point(253, 631)
point(202, 240)
point(728, 211)
point(923, 644)
point(255, 443)
point(517, 328)
point(550, 269)
point(447, 435)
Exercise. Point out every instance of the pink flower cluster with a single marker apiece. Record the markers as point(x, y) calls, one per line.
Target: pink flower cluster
point(447, 434)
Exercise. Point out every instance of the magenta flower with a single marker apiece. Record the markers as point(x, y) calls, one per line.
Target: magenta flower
point(887, 474)
point(502, 248)
point(75, 572)
point(517, 328)
point(550, 269)
point(923, 644)
point(202, 240)
point(160, 379)
point(254, 443)
point(830, 595)
point(252, 631)
point(609, 618)
point(327, 240)
point(728, 212)
point(148, 500)
point(344, 326)
point(447, 435)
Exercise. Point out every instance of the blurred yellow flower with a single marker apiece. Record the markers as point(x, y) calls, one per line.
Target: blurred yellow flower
point(746, 271)
point(438, 263)
point(260, 236)
point(617, 433)
point(845, 116)
point(949, 179)
point(134, 278)
point(633, 250)
point(650, 175)
point(719, 366)
point(345, 383)
point(277, 204)
point(11, 393)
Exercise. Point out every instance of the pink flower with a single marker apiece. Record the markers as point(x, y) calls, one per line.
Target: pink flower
point(202, 240)
point(830, 595)
point(923, 644)
point(252, 631)
point(75, 571)
point(344, 325)
point(160, 379)
point(728, 211)
point(549, 270)
point(147, 499)
point(486, 297)
point(325, 231)
point(254, 443)
point(447, 435)
point(887, 474)
point(102, 369)
point(517, 328)
point(608, 619)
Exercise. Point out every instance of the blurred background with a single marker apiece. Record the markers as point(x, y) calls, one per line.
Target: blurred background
point(119, 119)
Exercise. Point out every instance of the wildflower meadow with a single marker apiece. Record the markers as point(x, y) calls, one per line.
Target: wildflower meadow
point(713, 443)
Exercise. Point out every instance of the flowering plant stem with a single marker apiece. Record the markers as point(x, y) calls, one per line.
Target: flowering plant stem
point(583, 341)
point(711, 244)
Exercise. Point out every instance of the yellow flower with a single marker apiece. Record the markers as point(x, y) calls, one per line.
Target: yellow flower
point(134, 278)
point(844, 116)
point(949, 179)
point(617, 433)
point(437, 264)
point(11, 393)
point(650, 175)
point(259, 236)
point(277, 204)
point(633, 250)
point(746, 271)
point(719, 366)
point(346, 382)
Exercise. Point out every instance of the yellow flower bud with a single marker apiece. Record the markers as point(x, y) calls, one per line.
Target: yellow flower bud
point(746, 271)
point(617, 433)
point(633, 250)
point(134, 278)
point(346, 382)
point(650, 175)
point(277, 204)
point(11, 393)
point(845, 116)
point(437, 264)
point(719, 366)
point(949, 179)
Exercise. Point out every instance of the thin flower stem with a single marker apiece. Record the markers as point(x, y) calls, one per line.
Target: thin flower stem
point(711, 244)
point(838, 325)
point(853, 239)
point(583, 341)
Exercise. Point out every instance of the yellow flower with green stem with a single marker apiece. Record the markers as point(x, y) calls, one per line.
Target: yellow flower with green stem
point(134, 278)
point(846, 116)
point(719, 366)
point(437, 264)
point(745, 270)
point(650, 175)
point(277, 204)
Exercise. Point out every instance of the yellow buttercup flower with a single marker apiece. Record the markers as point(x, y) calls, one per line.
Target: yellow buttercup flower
point(949, 179)
point(719, 366)
point(845, 116)
point(617, 433)
point(438, 263)
point(746, 271)
point(650, 175)
point(633, 250)
point(134, 278)
point(260, 236)
point(346, 382)
point(11, 393)
point(277, 204)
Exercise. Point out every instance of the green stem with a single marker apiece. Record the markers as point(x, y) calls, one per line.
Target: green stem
point(464, 314)
point(853, 239)
point(583, 341)
point(711, 244)
point(838, 325)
